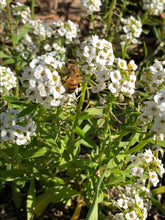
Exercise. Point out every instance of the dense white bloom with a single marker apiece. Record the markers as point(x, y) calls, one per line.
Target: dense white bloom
point(132, 29)
point(40, 29)
point(7, 80)
point(27, 48)
point(155, 7)
point(25, 13)
point(43, 80)
point(91, 6)
point(96, 57)
point(137, 171)
point(16, 129)
point(154, 109)
point(69, 30)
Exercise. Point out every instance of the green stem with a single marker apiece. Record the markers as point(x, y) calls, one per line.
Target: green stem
point(32, 9)
point(13, 43)
point(79, 107)
point(106, 128)
point(92, 19)
point(110, 17)
point(39, 118)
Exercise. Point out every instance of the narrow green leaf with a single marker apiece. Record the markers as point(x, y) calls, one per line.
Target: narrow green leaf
point(8, 61)
point(138, 147)
point(42, 202)
point(16, 195)
point(86, 138)
point(34, 153)
point(15, 100)
point(54, 194)
point(31, 199)
point(28, 110)
point(15, 37)
point(158, 205)
point(93, 211)
point(24, 30)
point(159, 190)
point(145, 49)
point(160, 143)
point(3, 55)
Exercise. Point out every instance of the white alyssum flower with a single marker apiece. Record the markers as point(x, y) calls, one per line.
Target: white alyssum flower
point(155, 7)
point(154, 109)
point(69, 30)
point(16, 129)
point(131, 216)
point(137, 171)
point(153, 178)
point(119, 216)
point(8, 80)
point(43, 80)
point(123, 203)
point(91, 6)
point(132, 29)
point(96, 57)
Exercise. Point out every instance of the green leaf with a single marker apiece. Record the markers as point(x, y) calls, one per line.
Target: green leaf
point(160, 143)
point(158, 204)
point(8, 61)
point(55, 194)
point(16, 195)
point(145, 49)
point(3, 55)
point(15, 37)
point(10, 174)
point(15, 100)
point(85, 137)
point(138, 147)
point(133, 140)
point(93, 211)
point(24, 30)
point(159, 190)
point(31, 199)
point(34, 153)
point(28, 110)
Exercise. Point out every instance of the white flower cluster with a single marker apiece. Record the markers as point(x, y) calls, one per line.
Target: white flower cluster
point(43, 81)
point(98, 58)
point(134, 203)
point(7, 80)
point(40, 29)
point(68, 29)
point(155, 7)
point(132, 29)
point(55, 47)
point(152, 164)
point(27, 48)
point(16, 129)
point(154, 109)
point(24, 13)
point(91, 6)
point(2, 4)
